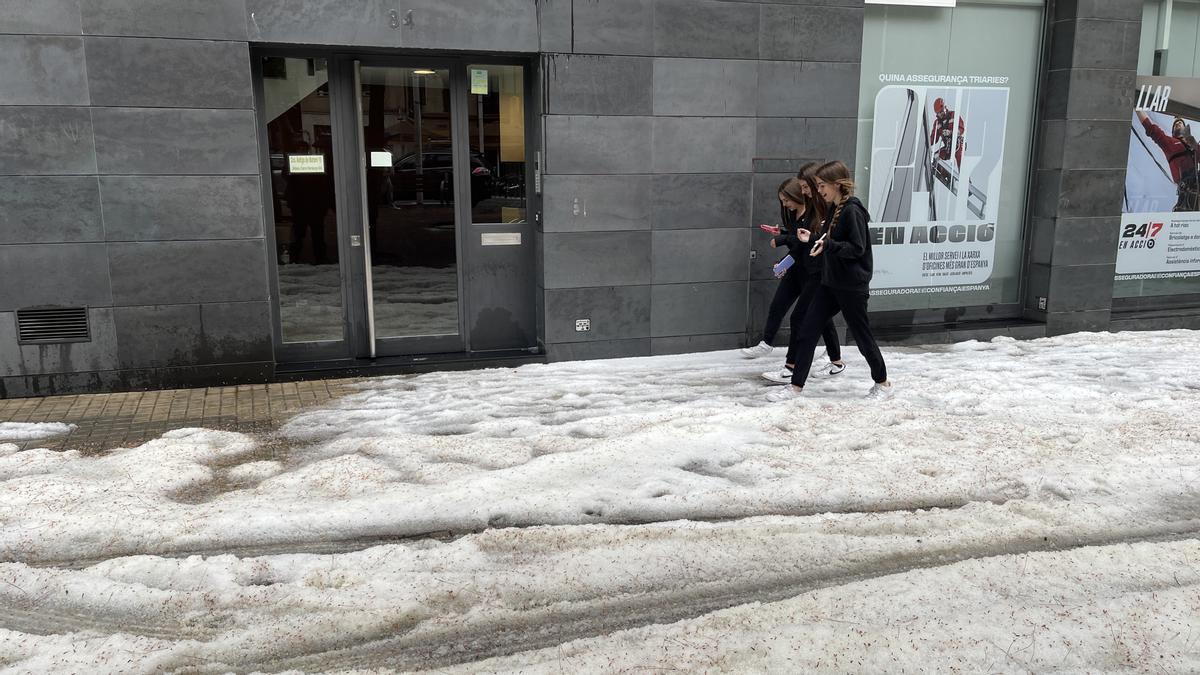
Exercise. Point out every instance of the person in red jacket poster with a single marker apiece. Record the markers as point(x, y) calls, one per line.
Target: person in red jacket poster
point(943, 132)
point(1180, 151)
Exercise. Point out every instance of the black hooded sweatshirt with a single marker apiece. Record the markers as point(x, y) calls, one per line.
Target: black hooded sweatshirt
point(847, 254)
point(789, 223)
point(799, 250)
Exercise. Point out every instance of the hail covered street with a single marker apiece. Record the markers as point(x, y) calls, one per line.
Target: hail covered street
point(1018, 505)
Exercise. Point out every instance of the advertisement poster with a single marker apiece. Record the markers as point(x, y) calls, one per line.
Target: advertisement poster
point(1160, 226)
point(936, 160)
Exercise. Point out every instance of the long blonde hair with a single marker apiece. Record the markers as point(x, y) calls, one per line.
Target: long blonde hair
point(837, 173)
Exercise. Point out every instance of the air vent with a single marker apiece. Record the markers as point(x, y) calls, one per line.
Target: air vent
point(53, 324)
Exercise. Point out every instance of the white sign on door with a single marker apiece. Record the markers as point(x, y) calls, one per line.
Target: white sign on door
point(306, 163)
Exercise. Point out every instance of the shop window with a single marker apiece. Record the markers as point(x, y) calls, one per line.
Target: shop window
point(1158, 252)
point(947, 104)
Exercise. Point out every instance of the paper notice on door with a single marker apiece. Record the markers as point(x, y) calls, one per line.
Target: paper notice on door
point(479, 81)
point(381, 159)
point(306, 163)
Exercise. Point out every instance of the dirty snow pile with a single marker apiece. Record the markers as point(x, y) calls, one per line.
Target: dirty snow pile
point(1017, 506)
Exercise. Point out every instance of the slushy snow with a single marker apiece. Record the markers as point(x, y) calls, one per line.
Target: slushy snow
point(32, 431)
point(1017, 506)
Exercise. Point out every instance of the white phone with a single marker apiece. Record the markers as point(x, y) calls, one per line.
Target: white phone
point(813, 253)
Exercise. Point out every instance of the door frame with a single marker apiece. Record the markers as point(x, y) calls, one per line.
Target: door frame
point(350, 191)
point(359, 288)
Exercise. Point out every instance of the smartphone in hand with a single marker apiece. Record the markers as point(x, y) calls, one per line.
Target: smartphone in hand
point(772, 230)
point(818, 247)
point(783, 266)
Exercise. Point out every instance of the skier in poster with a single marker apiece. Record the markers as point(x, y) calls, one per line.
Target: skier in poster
point(1180, 151)
point(943, 132)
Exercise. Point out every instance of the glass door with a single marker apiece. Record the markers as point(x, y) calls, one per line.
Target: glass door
point(300, 185)
point(410, 193)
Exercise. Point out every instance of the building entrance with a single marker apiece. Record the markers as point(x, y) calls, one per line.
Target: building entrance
point(380, 224)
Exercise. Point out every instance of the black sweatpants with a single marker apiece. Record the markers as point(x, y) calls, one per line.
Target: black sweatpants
point(786, 292)
point(833, 344)
point(826, 303)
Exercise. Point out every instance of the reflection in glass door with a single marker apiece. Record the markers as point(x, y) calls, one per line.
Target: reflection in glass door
point(496, 120)
point(300, 143)
point(408, 161)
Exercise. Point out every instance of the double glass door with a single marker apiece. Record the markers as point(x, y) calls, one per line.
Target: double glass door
point(375, 174)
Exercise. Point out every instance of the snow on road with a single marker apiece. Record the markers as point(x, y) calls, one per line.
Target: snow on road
point(1018, 505)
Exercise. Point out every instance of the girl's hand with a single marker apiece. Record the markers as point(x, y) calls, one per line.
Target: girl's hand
point(803, 235)
point(772, 243)
point(817, 247)
point(772, 230)
point(781, 274)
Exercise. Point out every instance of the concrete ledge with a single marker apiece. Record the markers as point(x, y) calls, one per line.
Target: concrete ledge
point(135, 380)
point(1156, 320)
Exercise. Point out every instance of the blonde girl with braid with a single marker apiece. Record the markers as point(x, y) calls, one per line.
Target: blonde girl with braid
point(846, 270)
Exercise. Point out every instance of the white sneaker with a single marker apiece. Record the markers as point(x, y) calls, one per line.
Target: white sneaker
point(760, 349)
point(785, 394)
point(781, 376)
point(827, 370)
point(881, 392)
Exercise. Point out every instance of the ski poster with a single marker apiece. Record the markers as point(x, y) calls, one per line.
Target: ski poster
point(1160, 223)
point(936, 158)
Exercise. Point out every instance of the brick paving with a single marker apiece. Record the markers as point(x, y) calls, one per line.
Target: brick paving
point(105, 421)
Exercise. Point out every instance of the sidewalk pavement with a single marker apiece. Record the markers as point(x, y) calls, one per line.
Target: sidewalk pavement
point(105, 421)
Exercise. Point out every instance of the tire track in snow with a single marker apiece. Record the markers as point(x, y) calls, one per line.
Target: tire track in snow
point(355, 544)
point(39, 618)
point(555, 624)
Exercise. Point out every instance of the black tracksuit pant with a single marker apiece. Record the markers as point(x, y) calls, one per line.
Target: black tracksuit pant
point(833, 344)
point(786, 292)
point(797, 289)
point(826, 303)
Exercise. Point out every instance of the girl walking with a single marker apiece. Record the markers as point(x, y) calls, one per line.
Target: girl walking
point(807, 273)
point(799, 210)
point(845, 247)
point(791, 214)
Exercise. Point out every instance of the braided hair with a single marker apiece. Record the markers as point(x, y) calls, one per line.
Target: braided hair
point(837, 173)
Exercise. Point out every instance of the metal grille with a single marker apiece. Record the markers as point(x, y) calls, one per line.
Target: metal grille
point(53, 324)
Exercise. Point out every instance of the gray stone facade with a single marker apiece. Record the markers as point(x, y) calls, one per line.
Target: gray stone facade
point(1083, 149)
point(130, 177)
point(130, 185)
point(668, 126)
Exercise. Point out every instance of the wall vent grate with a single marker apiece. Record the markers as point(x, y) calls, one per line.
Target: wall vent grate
point(43, 325)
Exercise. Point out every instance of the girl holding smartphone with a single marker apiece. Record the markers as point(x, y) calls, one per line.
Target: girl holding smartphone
point(845, 248)
point(806, 272)
point(792, 214)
